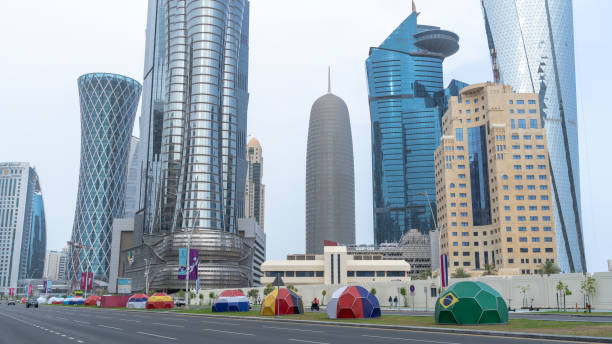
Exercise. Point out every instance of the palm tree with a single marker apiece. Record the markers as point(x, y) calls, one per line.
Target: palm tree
point(489, 270)
point(460, 273)
point(323, 293)
point(524, 289)
point(588, 289)
point(549, 268)
point(253, 294)
point(403, 293)
point(425, 274)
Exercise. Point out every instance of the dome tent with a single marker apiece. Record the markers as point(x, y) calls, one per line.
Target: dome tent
point(282, 301)
point(353, 302)
point(137, 301)
point(92, 300)
point(231, 301)
point(470, 303)
point(160, 300)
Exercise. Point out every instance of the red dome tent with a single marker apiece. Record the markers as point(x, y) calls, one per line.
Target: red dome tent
point(160, 300)
point(92, 300)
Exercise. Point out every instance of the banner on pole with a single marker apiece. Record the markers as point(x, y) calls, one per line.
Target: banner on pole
point(49, 286)
point(182, 263)
point(89, 280)
point(29, 289)
point(44, 287)
point(11, 291)
point(83, 280)
point(193, 264)
point(198, 285)
point(444, 270)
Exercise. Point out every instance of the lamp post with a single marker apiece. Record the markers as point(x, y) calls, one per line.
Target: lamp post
point(147, 271)
point(433, 217)
point(189, 231)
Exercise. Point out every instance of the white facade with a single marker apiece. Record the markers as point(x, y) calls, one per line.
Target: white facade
point(334, 267)
point(610, 265)
point(119, 226)
point(52, 264)
point(251, 231)
point(14, 221)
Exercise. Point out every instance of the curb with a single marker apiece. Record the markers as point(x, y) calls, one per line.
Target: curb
point(524, 335)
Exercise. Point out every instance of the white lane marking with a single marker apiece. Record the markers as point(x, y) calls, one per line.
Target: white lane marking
point(81, 322)
point(70, 338)
point(114, 328)
point(103, 317)
point(156, 335)
point(290, 329)
point(167, 325)
point(130, 320)
point(62, 318)
point(305, 341)
point(230, 332)
point(409, 339)
point(220, 323)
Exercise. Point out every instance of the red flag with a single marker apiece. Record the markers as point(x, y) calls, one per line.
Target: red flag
point(29, 289)
point(83, 280)
point(89, 280)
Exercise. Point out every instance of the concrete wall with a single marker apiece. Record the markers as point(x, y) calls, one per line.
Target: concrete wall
point(541, 288)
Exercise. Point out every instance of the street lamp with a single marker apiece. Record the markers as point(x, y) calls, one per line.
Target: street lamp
point(147, 271)
point(433, 217)
point(189, 232)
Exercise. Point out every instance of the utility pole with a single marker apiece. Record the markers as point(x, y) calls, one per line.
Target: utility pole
point(147, 271)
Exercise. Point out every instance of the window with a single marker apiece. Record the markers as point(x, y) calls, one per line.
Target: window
point(528, 157)
point(453, 214)
point(543, 187)
point(459, 148)
point(544, 198)
point(454, 233)
point(516, 157)
point(523, 239)
point(511, 111)
point(516, 146)
point(535, 239)
point(459, 134)
point(510, 250)
point(465, 243)
point(463, 204)
point(462, 186)
point(536, 250)
point(518, 187)
point(549, 249)
point(541, 157)
point(530, 187)
point(512, 125)
point(529, 167)
point(517, 167)
point(518, 177)
point(520, 197)
point(531, 101)
point(455, 244)
point(507, 207)
point(462, 194)
point(456, 254)
point(520, 102)
point(522, 229)
point(452, 185)
point(467, 101)
point(505, 187)
point(530, 177)
point(396, 273)
point(454, 224)
point(532, 197)
point(548, 239)
point(520, 208)
point(515, 137)
point(547, 229)
point(365, 273)
point(508, 229)
point(506, 198)
point(522, 218)
point(508, 239)
point(289, 273)
point(535, 229)
point(464, 214)
point(545, 207)
point(542, 177)
point(541, 167)
point(545, 218)
point(505, 177)
point(304, 274)
point(539, 137)
point(465, 233)
point(521, 123)
point(511, 102)
point(533, 208)
point(380, 274)
point(524, 249)
point(526, 137)
point(466, 254)
point(533, 111)
point(521, 111)
point(510, 261)
point(462, 176)
point(508, 218)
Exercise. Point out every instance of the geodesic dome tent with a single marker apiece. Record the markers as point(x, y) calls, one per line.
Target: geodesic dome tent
point(137, 301)
point(282, 302)
point(92, 300)
point(353, 302)
point(231, 301)
point(469, 303)
point(159, 300)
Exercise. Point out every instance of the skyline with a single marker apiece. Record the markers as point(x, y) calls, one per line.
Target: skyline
point(470, 65)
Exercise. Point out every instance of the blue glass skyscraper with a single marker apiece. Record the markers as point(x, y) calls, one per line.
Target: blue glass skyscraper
point(404, 84)
point(108, 106)
point(532, 49)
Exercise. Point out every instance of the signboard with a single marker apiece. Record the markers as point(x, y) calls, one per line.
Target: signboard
point(90, 280)
point(193, 264)
point(412, 289)
point(78, 293)
point(182, 263)
point(444, 270)
point(49, 286)
point(124, 285)
point(83, 280)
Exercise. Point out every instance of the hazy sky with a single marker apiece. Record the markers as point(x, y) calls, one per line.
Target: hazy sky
point(47, 44)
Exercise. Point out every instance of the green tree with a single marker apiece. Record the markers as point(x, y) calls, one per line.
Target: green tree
point(292, 287)
point(425, 274)
point(211, 297)
point(182, 294)
point(524, 289)
point(403, 293)
point(588, 289)
point(460, 273)
point(549, 268)
point(562, 291)
point(201, 296)
point(323, 293)
point(253, 294)
point(373, 291)
point(489, 270)
point(268, 289)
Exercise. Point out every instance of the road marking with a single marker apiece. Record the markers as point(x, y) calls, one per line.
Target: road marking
point(220, 323)
point(305, 341)
point(156, 335)
point(62, 318)
point(167, 325)
point(114, 328)
point(103, 317)
point(409, 339)
point(130, 320)
point(290, 329)
point(81, 322)
point(230, 332)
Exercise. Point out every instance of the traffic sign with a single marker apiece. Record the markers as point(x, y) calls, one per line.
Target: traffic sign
point(412, 289)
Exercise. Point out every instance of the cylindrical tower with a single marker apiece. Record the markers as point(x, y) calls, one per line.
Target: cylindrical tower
point(330, 178)
point(108, 107)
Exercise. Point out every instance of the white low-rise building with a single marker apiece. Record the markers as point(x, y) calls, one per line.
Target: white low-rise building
point(334, 267)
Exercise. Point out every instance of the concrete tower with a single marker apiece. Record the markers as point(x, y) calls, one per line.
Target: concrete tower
point(254, 195)
point(330, 177)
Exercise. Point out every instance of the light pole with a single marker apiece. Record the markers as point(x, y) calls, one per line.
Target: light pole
point(147, 271)
point(433, 217)
point(189, 234)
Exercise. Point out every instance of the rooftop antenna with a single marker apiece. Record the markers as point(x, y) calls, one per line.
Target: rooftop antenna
point(328, 79)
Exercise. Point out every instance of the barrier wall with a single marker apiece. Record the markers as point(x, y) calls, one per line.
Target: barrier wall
point(109, 301)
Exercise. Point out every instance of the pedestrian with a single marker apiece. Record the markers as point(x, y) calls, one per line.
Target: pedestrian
point(395, 301)
point(390, 301)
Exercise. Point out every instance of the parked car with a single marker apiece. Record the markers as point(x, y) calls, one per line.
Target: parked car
point(10, 303)
point(178, 302)
point(31, 303)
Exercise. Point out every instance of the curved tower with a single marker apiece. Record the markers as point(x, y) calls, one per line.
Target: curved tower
point(404, 86)
point(532, 49)
point(108, 106)
point(330, 177)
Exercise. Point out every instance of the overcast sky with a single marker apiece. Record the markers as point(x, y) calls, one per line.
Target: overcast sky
point(47, 44)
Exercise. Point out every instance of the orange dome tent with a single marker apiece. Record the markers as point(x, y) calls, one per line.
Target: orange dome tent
point(160, 300)
point(92, 300)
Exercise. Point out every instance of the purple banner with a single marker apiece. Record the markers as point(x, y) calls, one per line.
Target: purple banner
point(193, 264)
point(44, 287)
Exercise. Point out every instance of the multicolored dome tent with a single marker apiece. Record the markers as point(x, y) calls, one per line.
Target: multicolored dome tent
point(137, 301)
point(353, 302)
point(56, 301)
point(79, 301)
point(160, 300)
point(282, 301)
point(92, 300)
point(231, 301)
point(469, 303)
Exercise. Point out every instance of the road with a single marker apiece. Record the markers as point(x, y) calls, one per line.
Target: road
point(522, 315)
point(55, 325)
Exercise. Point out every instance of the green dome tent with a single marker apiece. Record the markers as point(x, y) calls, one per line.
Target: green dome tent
point(469, 303)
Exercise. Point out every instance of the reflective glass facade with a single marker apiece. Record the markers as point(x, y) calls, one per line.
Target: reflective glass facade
point(405, 87)
point(38, 238)
point(479, 175)
point(108, 106)
point(532, 49)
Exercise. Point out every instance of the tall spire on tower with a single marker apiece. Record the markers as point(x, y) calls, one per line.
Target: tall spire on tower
point(413, 6)
point(328, 79)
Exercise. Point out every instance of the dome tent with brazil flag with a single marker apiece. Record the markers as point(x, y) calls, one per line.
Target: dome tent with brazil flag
point(469, 303)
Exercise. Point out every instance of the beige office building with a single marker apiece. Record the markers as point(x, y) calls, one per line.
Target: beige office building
point(254, 189)
point(493, 185)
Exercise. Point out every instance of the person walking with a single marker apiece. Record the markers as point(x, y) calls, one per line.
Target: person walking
point(390, 302)
point(395, 301)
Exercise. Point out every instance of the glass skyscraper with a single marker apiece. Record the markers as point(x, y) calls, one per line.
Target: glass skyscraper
point(108, 107)
point(532, 49)
point(405, 86)
point(23, 232)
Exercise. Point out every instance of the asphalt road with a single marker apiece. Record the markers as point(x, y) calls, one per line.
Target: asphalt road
point(522, 315)
point(51, 325)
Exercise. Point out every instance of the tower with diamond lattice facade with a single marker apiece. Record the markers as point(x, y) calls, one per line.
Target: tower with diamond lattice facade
point(108, 107)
